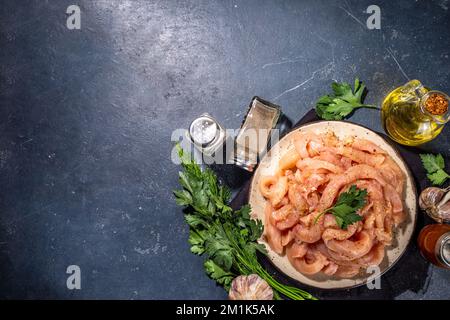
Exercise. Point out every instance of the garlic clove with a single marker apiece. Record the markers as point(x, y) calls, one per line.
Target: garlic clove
point(251, 287)
point(444, 211)
point(436, 202)
point(430, 197)
point(443, 208)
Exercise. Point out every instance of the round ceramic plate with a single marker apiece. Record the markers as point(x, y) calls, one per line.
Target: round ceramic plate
point(402, 234)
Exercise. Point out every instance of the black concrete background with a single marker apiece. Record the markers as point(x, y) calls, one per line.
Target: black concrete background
point(86, 118)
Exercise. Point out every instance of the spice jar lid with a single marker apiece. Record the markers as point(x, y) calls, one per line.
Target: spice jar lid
point(443, 249)
point(203, 130)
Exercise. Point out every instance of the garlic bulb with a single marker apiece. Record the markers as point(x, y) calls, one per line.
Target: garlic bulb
point(436, 202)
point(250, 287)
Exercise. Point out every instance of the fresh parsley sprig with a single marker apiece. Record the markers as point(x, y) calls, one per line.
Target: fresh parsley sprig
point(348, 203)
point(228, 238)
point(342, 102)
point(434, 165)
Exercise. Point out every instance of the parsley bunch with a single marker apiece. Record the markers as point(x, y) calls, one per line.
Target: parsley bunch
point(348, 203)
point(228, 238)
point(342, 102)
point(435, 165)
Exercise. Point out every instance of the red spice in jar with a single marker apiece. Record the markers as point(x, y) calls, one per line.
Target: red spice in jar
point(436, 104)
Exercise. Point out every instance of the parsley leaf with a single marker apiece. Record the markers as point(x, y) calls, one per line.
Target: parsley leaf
point(194, 220)
point(348, 203)
point(438, 177)
point(355, 197)
point(342, 102)
point(220, 251)
point(196, 239)
point(434, 165)
point(183, 197)
point(217, 273)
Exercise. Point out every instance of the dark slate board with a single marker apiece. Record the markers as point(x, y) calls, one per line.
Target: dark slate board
point(87, 118)
point(409, 273)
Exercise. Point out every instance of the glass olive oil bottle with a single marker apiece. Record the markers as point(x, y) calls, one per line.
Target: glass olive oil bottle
point(413, 114)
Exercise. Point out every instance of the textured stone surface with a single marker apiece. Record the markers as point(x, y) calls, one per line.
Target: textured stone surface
point(86, 118)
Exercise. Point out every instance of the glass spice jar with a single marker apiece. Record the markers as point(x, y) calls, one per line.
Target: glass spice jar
point(434, 244)
point(207, 135)
point(253, 137)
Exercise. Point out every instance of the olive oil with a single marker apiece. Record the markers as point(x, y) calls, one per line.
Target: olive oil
point(405, 118)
